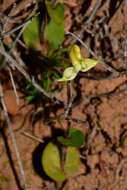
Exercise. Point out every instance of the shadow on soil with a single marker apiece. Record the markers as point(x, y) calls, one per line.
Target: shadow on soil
point(37, 154)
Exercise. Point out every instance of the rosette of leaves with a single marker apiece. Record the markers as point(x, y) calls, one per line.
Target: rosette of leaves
point(52, 166)
point(51, 158)
point(79, 63)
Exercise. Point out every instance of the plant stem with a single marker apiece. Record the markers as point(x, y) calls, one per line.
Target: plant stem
point(69, 104)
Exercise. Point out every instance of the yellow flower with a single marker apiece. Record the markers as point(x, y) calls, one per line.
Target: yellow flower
point(79, 63)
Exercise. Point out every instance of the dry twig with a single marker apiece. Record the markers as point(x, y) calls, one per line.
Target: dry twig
point(32, 137)
point(13, 85)
point(94, 11)
point(25, 74)
point(19, 161)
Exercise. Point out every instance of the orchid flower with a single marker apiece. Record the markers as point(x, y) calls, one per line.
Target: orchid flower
point(79, 63)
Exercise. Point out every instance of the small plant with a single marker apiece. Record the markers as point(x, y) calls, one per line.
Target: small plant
point(59, 163)
point(51, 158)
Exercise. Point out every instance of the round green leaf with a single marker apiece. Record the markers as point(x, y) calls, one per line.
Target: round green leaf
point(51, 163)
point(72, 161)
point(74, 139)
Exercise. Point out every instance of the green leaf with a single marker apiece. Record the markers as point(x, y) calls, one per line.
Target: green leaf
point(31, 33)
point(51, 163)
point(72, 161)
point(74, 139)
point(69, 74)
point(54, 34)
point(30, 98)
point(56, 13)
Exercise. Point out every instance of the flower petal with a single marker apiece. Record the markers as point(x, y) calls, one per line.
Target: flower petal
point(88, 64)
point(69, 74)
point(75, 56)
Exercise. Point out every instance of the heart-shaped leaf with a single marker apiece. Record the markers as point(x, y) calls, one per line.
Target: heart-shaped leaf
point(51, 162)
point(72, 161)
point(74, 139)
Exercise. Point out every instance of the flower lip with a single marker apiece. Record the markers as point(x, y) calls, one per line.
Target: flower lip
point(68, 74)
